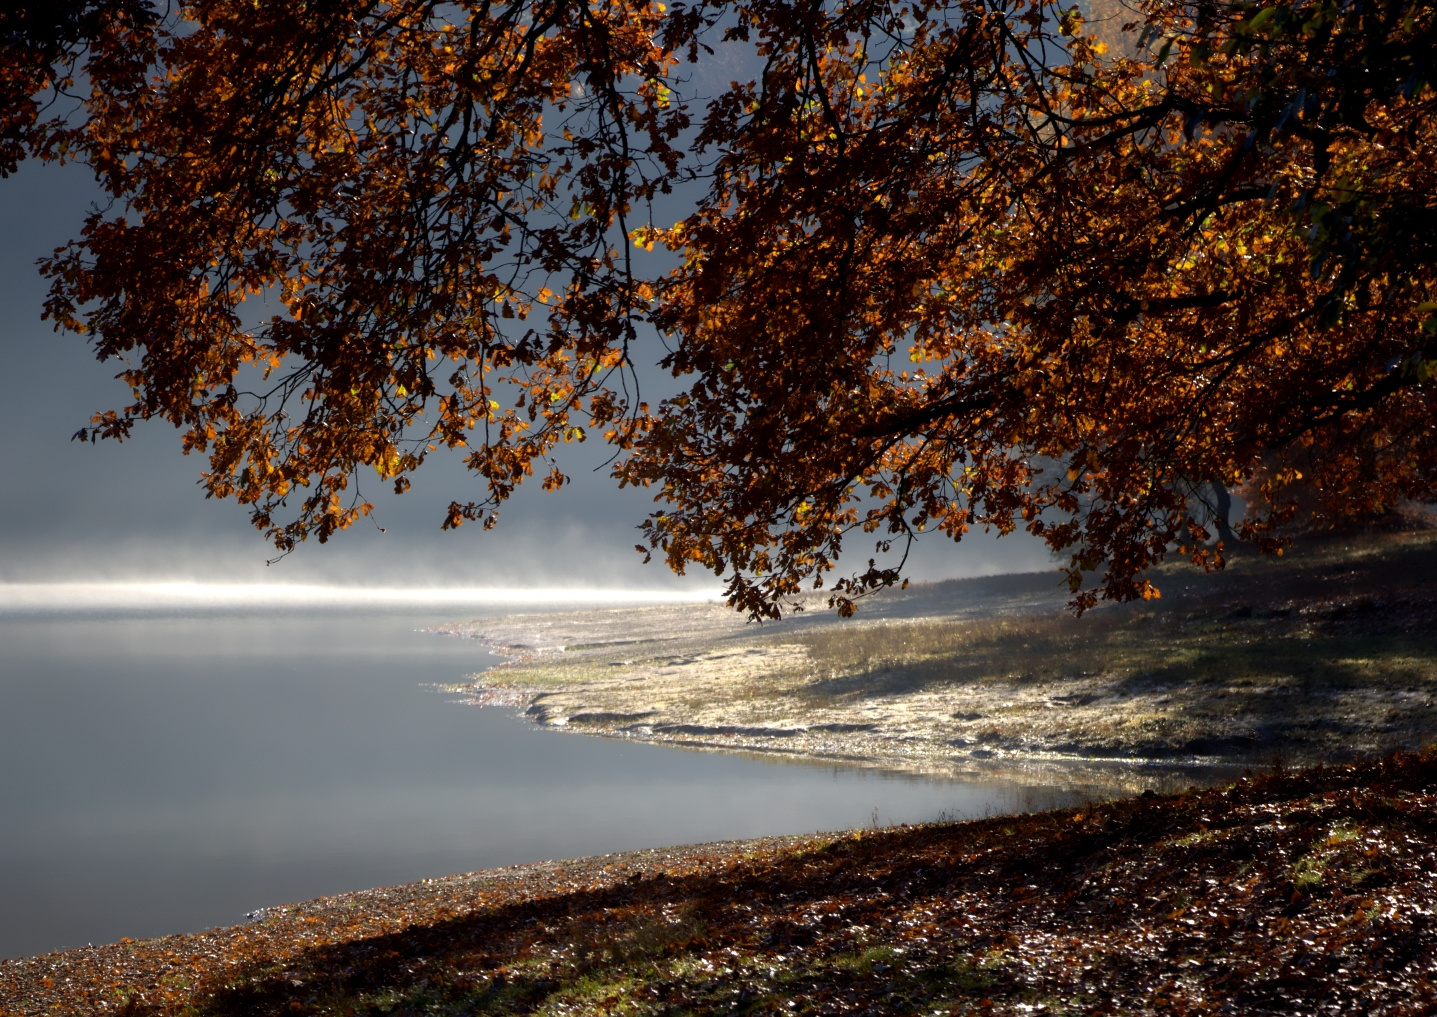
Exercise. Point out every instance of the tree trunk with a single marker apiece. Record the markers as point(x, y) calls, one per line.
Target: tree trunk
point(1222, 510)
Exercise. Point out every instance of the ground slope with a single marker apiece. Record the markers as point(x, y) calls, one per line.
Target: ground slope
point(1326, 655)
point(1303, 893)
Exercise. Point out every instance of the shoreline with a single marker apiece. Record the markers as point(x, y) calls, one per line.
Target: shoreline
point(98, 971)
point(1323, 656)
point(1312, 887)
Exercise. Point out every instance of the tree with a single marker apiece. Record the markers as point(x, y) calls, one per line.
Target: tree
point(948, 264)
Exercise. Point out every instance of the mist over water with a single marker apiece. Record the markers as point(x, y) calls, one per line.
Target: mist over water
point(72, 598)
point(170, 771)
point(134, 512)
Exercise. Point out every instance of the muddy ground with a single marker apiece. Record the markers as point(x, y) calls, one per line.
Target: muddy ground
point(1325, 655)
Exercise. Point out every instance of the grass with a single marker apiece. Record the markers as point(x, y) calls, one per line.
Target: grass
point(1197, 641)
point(1326, 655)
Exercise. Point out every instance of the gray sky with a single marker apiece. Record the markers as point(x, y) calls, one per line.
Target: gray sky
point(74, 511)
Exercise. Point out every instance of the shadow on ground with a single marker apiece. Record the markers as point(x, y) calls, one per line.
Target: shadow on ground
point(1316, 887)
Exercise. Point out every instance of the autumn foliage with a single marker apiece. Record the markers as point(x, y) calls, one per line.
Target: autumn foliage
point(923, 265)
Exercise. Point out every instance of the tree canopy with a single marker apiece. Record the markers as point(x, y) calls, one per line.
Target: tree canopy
point(933, 264)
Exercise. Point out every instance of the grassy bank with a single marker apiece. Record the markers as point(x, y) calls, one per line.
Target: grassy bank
point(1328, 654)
point(1308, 892)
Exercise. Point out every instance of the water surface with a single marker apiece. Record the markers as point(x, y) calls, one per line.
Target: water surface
point(168, 773)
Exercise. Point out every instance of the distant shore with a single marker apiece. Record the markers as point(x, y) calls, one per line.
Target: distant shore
point(1326, 655)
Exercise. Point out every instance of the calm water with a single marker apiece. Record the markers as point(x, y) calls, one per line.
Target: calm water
point(163, 774)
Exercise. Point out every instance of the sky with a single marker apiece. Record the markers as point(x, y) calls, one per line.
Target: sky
point(133, 512)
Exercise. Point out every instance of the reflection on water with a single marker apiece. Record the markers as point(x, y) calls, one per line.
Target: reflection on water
point(164, 773)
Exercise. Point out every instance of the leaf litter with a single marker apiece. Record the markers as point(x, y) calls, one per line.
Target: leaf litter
point(1306, 892)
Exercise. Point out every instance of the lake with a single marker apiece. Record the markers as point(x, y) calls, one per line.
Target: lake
point(168, 771)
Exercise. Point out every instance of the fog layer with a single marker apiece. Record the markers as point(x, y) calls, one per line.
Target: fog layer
point(134, 512)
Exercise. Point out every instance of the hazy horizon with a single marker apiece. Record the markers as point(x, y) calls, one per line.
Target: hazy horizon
point(112, 512)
